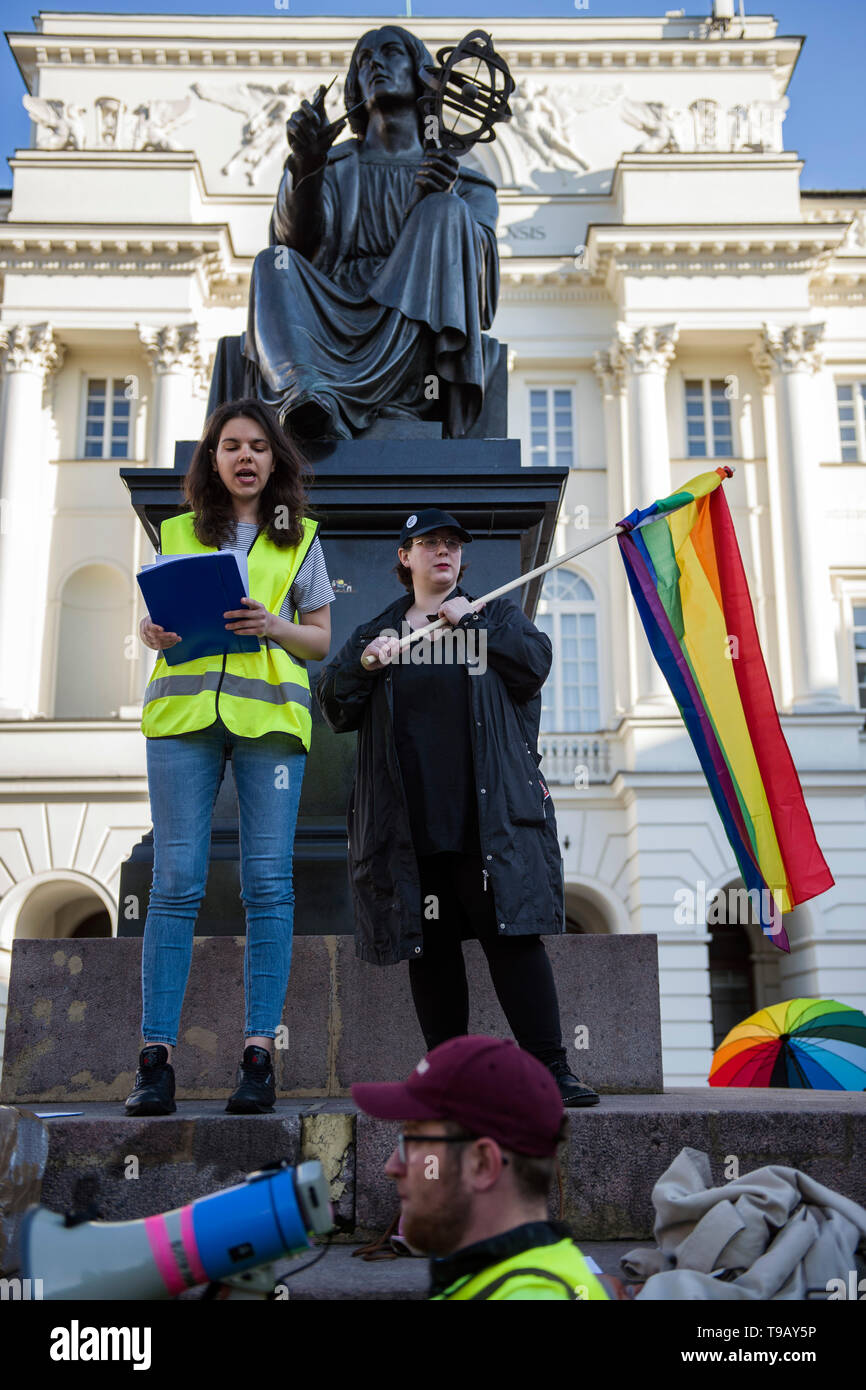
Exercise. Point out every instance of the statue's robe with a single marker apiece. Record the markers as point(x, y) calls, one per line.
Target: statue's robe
point(386, 318)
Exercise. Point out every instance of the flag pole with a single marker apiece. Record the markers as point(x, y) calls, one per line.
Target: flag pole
point(506, 588)
point(532, 574)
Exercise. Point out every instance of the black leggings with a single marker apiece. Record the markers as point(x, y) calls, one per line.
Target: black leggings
point(519, 965)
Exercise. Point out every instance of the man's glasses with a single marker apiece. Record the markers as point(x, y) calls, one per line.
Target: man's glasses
point(404, 1139)
point(434, 542)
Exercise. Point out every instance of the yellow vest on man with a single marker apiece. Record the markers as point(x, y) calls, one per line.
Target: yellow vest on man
point(546, 1272)
point(254, 693)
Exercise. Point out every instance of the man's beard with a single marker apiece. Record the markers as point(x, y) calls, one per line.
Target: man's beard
point(440, 1231)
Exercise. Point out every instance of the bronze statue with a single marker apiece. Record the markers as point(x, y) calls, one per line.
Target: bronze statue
point(382, 270)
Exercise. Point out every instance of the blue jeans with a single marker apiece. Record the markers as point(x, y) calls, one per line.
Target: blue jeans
point(184, 775)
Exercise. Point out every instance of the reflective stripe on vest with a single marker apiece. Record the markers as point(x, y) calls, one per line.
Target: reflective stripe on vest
point(254, 693)
point(231, 685)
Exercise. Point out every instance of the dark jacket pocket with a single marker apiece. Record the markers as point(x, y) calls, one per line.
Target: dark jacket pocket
point(526, 794)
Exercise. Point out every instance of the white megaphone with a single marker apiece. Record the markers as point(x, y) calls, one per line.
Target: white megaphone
point(270, 1215)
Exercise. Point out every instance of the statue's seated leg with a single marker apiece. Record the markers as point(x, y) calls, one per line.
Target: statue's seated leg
point(229, 377)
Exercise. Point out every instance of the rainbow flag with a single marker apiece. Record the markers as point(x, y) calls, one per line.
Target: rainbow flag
point(686, 574)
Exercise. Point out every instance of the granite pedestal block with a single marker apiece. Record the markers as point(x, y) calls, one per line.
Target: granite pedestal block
point(613, 1155)
point(72, 1030)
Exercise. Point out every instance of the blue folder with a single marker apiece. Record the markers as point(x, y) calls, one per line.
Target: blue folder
point(189, 596)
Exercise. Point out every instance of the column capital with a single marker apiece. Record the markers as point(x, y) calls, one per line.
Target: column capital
point(30, 347)
point(792, 349)
point(174, 348)
point(609, 368)
point(649, 347)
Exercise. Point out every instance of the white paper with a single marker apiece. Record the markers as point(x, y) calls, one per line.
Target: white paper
point(53, 1114)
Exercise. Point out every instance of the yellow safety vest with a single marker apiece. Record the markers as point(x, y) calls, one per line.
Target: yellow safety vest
point(556, 1271)
point(254, 693)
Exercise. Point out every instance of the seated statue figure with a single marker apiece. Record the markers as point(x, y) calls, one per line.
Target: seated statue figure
point(382, 270)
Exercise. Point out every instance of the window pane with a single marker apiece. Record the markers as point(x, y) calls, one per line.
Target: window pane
point(845, 393)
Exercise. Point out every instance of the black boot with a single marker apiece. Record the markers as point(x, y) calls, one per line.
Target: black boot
point(255, 1093)
point(573, 1091)
point(153, 1093)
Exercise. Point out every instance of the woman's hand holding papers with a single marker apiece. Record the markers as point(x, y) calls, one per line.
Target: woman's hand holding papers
point(156, 637)
point(253, 621)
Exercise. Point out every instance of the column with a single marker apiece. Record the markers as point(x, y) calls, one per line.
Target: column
point(763, 362)
point(793, 357)
point(29, 354)
point(178, 371)
point(609, 369)
point(647, 352)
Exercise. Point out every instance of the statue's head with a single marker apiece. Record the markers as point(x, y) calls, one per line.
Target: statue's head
point(390, 59)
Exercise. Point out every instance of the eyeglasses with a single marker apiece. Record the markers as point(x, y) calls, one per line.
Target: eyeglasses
point(434, 542)
point(404, 1139)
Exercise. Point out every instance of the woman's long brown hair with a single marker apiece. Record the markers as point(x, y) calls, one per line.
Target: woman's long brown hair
point(286, 488)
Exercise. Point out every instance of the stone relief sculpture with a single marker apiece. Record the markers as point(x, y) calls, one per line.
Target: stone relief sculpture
point(706, 125)
point(150, 126)
point(60, 125)
point(656, 121)
point(157, 121)
point(109, 122)
point(266, 110)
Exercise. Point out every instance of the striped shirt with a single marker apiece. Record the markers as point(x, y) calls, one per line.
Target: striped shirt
point(311, 588)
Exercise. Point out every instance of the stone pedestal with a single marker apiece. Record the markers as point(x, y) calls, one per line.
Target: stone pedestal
point(72, 1029)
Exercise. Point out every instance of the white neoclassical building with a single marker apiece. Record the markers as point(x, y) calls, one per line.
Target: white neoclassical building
point(670, 298)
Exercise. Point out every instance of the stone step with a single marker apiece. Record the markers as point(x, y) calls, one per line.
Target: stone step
point(614, 1154)
point(74, 1013)
point(342, 1275)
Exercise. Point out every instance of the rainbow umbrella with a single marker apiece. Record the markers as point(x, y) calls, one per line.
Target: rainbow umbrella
point(815, 1044)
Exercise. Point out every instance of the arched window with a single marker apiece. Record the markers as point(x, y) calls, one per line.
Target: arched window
point(92, 672)
point(567, 612)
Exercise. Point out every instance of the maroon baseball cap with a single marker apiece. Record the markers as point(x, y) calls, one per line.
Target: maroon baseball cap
point(491, 1087)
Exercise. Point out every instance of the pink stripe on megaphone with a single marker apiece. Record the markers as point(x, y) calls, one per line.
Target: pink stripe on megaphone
point(164, 1256)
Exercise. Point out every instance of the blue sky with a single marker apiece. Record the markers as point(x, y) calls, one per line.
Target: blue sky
point(825, 123)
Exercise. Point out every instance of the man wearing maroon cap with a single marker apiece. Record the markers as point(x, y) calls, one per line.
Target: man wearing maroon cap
point(481, 1121)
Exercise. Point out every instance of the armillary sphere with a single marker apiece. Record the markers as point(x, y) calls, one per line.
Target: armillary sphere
point(469, 92)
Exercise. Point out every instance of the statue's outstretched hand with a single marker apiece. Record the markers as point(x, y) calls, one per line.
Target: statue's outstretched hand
point(437, 174)
point(311, 135)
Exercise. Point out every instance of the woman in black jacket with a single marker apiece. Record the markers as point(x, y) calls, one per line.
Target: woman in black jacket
point(452, 834)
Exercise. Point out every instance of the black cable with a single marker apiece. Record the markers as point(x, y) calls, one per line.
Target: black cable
point(309, 1265)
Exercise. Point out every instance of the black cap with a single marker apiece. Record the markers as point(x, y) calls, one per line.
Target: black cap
point(419, 523)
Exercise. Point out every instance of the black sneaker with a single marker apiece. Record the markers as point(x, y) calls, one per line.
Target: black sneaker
point(573, 1091)
point(256, 1092)
point(153, 1093)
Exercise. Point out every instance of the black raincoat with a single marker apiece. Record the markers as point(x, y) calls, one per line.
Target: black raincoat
point(519, 844)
